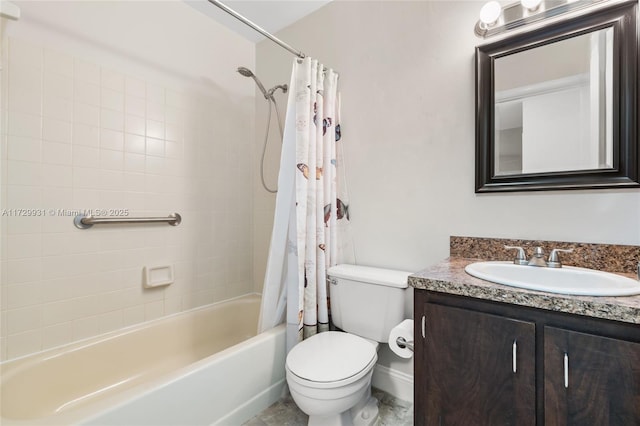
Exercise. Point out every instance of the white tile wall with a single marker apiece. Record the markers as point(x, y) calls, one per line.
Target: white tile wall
point(82, 135)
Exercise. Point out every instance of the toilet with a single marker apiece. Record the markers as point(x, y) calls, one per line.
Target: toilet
point(329, 374)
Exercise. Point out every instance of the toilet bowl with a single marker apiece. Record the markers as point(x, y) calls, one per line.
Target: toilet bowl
point(329, 374)
point(329, 377)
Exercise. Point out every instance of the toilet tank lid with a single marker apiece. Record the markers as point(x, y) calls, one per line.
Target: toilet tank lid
point(368, 274)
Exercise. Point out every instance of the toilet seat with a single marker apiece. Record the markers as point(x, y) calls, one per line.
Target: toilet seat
point(331, 385)
point(331, 359)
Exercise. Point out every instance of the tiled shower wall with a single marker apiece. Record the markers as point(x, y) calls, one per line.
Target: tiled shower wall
point(82, 135)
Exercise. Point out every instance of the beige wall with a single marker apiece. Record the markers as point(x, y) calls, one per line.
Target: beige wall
point(127, 105)
point(407, 81)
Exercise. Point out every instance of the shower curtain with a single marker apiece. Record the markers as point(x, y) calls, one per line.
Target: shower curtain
point(311, 224)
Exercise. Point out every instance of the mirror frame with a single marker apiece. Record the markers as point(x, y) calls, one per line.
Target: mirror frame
point(626, 146)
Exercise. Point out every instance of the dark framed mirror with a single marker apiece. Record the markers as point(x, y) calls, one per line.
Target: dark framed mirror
point(557, 107)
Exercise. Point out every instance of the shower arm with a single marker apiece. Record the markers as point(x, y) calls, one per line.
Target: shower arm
point(282, 87)
point(259, 29)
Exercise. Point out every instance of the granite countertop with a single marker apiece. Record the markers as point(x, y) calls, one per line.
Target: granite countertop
point(449, 277)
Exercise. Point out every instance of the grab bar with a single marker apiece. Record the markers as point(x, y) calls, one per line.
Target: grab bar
point(82, 221)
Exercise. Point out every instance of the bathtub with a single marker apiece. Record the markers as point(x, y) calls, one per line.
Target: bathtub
point(205, 366)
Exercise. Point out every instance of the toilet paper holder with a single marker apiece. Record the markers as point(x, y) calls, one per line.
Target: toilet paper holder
point(403, 343)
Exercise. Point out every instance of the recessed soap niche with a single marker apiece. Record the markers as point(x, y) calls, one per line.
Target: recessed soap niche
point(157, 276)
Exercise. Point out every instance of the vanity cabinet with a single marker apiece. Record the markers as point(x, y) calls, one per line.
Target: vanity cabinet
point(590, 380)
point(486, 363)
point(468, 353)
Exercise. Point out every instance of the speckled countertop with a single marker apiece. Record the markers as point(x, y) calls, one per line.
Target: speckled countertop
point(449, 277)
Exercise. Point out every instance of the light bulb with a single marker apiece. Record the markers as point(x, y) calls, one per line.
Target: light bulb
point(530, 5)
point(490, 12)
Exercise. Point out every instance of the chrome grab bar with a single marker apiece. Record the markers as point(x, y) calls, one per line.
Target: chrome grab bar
point(82, 221)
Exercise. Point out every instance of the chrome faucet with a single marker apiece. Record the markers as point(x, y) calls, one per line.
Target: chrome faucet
point(538, 258)
point(521, 257)
point(554, 260)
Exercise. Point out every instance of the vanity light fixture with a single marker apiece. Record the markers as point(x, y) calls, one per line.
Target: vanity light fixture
point(531, 5)
point(490, 13)
point(495, 19)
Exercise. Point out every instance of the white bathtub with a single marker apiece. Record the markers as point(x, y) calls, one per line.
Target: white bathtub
point(204, 366)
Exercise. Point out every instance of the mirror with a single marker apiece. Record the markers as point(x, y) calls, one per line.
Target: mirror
point(556, 108)
point(564, 107)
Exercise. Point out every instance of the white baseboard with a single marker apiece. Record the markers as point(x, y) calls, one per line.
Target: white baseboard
point(393, 382)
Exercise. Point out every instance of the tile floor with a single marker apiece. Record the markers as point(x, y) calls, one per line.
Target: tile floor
point(393, 412)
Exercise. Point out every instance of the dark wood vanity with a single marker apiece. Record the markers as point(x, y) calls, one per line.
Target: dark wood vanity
point(492, 355)
point(489, 363)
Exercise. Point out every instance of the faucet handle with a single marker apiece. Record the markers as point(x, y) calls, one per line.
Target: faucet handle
point(554, 260)
point(521, 257)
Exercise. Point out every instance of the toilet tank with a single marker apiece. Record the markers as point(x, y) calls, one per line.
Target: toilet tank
point(367, 301)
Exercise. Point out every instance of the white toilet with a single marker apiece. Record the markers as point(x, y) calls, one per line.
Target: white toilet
point(329, 374)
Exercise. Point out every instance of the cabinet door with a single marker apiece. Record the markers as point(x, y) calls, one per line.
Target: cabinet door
point(597, 383)
point(474, 369)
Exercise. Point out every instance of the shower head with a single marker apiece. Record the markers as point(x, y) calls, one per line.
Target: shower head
point(246, 72)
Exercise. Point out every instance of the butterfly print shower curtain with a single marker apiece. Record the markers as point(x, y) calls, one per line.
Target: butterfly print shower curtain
point(311, 225)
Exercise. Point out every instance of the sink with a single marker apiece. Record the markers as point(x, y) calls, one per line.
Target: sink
point(565, 280)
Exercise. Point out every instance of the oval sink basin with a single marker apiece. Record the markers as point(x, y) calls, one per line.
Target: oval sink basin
point(565, 280)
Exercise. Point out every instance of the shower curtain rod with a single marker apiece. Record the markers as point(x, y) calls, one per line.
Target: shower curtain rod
point(265, 33)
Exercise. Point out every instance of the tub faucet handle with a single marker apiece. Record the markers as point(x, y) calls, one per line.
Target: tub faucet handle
point(554, 260)
point(521, 256)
